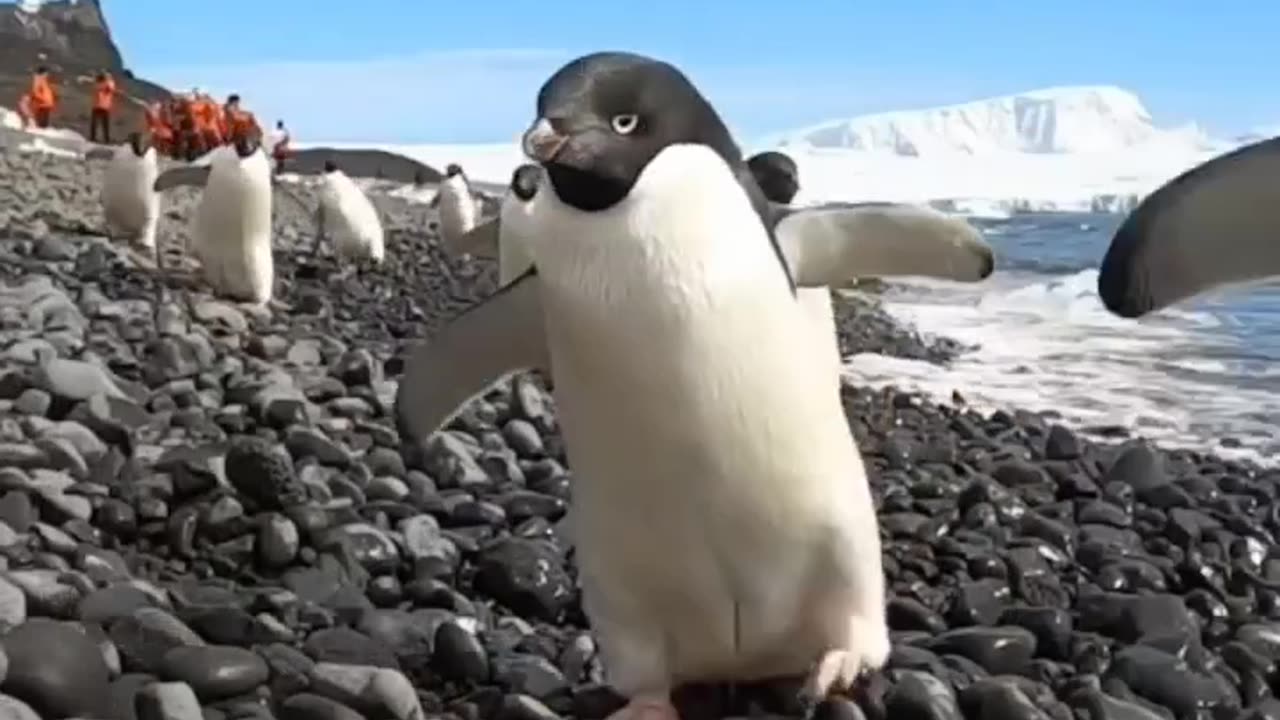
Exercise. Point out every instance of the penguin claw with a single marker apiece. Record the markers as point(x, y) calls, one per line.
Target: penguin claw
point(838, 670)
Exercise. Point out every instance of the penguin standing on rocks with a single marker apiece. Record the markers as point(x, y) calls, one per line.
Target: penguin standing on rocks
point(349, 217)
point(723, 523)
point(459, 210)
point(1214, 226)
point(231, 235)
point(130, 205)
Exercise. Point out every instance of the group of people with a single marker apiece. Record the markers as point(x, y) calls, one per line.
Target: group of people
point(190, 124)
point(185, 126)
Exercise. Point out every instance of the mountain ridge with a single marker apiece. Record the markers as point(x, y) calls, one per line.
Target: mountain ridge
point(73, 38)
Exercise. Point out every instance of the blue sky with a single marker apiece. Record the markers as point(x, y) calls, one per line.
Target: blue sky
point(449, 71)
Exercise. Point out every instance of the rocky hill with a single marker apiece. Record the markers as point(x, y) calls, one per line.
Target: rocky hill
point(73, 39)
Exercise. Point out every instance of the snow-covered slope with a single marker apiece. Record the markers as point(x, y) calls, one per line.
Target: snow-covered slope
point(1053, 120)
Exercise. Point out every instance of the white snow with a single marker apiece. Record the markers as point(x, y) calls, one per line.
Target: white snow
point(1087, 119)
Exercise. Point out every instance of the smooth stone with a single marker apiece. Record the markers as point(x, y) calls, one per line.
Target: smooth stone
point(168, 701)
point(55, 668)
point(215, 671)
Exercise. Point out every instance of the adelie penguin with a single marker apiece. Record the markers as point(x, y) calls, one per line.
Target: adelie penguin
point(231, 231)
point(349, 218)
point(458, 208)
point(130, 204)
point(1215, 225)
point(231, 235)
point(723, 525)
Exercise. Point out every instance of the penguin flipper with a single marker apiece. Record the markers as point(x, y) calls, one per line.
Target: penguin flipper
point(99, 152)
point(1216, 225)
point(184, 176)
point(479, 241)
point(503, 334)
point(828, 245)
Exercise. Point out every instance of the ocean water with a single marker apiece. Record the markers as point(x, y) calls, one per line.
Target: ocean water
point(1204, 374)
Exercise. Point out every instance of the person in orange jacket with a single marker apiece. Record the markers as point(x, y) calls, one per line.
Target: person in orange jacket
point(211, 133)
point(104, 101)
point(240, 122)
point(158, 127)
point(280, 151)
point(43, 99)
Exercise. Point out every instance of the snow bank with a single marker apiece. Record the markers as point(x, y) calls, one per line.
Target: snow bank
point(1053, 120)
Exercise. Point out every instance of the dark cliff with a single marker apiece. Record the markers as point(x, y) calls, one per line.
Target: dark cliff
point(73, 39)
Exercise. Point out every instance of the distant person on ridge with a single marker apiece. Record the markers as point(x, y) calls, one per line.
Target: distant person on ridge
point(43, 99)
point(280, 146)
point(104, 100)
point(240, 123)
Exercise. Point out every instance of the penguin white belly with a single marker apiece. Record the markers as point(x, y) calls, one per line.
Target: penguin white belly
point(723, 523)
point(514, 257)
point(232, 234)
point(817, 305)
point(130, 207)
point(458, 210)
point(352, 221)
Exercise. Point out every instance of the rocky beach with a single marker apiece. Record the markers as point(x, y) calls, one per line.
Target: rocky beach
point(206, 512)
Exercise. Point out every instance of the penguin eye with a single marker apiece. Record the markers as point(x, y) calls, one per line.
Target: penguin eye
point(624, 124)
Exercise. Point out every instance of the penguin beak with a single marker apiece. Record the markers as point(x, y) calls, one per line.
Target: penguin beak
point(541, 142)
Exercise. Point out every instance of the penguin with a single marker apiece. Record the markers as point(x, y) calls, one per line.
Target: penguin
point(130, 205)
point(232, 226)
point(459, 210)
point(723, 523)
point(357, 231)
point(776, 174)
point(1213, 226)
point(513, 252)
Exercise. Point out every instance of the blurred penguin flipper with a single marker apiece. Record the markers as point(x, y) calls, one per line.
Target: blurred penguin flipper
point(1215, 225)
point(829, 245)
point(503, 334)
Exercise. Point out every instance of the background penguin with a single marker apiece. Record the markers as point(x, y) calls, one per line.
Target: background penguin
point(724, 527)
point(231, 235)
point(513, 251)
point(130, 204)
point(776, 174)
point(1216, 225)
point(348, 215)
point(459, 209)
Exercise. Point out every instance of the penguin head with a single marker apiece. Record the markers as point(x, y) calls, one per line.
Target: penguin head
point(453, 170)
point(247, 143)
point(603, 117)
point(776, 174)
point(330, 166)
point(139, 143)
point(524, 181)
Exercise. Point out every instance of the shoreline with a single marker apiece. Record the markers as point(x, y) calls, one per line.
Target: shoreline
point(245, 489)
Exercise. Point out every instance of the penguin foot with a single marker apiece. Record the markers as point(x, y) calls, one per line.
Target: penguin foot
point(837, 670)
point(647, 707)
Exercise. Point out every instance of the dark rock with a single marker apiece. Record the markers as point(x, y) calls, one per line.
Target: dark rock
point(55, 668)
